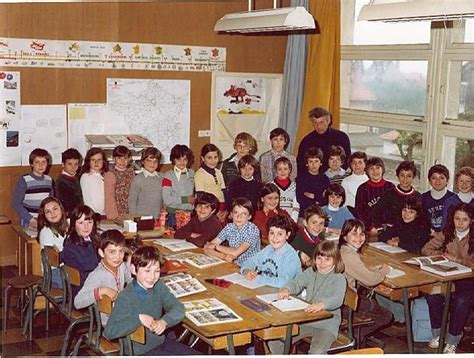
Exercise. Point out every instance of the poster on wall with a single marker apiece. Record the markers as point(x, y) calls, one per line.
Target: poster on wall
point(43, 126)
point(10, 118)
point(84, 118)
point(244, 102)
point(156, 109)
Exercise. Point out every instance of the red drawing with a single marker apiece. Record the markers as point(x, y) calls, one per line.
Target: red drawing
point(238, 93)
point(215, 52)
point(38, 46)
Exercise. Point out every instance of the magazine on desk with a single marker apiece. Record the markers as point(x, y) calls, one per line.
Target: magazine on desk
point(197, 260)
point(289, 304)
point(209, 311)
point(183, 284)
point(387, 248)
point(175, 244)
point(438, 265)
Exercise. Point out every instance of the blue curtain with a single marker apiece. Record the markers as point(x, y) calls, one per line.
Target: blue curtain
point(293, 80)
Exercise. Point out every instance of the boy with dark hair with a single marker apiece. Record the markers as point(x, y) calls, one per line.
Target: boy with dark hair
point(32, 188)
point(388, 208)
point(433, 200)
point(243, 236)
point(110, 276)
point(278, 262)
point(67, 186)
point(245, 185)
point(280, 140)
point(178, 183)
point(357, 162)
point(335, 172)
point(287, 187)
point(147, 301)
point(244, 144)
point(310, 234)
point(310, 185)
point(370, 192)
point(204, 224)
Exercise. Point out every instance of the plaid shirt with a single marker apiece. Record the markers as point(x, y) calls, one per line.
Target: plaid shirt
point(237, 236)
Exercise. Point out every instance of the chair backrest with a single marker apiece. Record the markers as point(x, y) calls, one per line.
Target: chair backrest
point(53, 255)
point(351, 299)
point(70, 276)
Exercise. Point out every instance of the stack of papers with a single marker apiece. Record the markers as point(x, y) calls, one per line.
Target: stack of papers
point(239, 279)
point(387, 248)
point(290, 304)
point(175, 244)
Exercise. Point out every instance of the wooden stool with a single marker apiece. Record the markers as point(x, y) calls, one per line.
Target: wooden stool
point(22, 283)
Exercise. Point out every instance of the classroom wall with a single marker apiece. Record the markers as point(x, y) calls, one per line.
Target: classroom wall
point(165, 22)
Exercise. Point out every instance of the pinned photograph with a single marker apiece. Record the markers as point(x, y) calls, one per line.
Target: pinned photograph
point(4, 123)
point(10, 85)
point(10, 107)
point(12, 138)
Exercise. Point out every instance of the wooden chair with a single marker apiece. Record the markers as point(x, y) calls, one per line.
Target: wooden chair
point(364, 351)
point(97, 342)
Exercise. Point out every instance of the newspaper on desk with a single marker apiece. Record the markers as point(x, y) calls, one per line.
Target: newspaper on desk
point(209, 311)
point(387, 248)
point(175, 244)
point(183, 284)
point(200, 261)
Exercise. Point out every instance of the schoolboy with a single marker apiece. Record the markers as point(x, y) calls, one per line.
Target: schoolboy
point(111, 274)
point(142, 302)
point(245, 186)
point(388, 209)
point(351, 183)
point(278, 263)
point(369, 193)
point(244, 144)
point(178, 183)
point(310, 234)
point(279, 140)
point(67, 186)
point(242, 235)
point(335, 172)
point(204, 224)
point(145, 196)
point(310, 185)
point(32, 188)
point(433, 200)
point(287, 187)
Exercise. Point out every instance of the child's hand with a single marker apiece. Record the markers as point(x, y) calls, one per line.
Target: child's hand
point(283, 294)
point(309, 195)
point(191, 199)
point(108, 292)
point(194, 235)
point(250, 275)
point(305, 259)
point(393, 242)
point(146, 320)
point(158, 326)
point(450, 257)
point(229, 258)
point(210, 246)
point(315, 307)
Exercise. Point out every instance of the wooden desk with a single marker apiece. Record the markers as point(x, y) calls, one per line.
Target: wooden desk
point(274, 323)
point(29, 253)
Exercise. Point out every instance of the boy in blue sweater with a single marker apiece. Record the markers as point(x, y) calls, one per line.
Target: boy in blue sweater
point(32, 188)
point(147, 302)
point(310, 185)
point(278, 263)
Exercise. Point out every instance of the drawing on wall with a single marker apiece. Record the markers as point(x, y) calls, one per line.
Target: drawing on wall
point(10, 118)
point(43, 126)
point(157, 109)
point(244, 102)
point(239, 95)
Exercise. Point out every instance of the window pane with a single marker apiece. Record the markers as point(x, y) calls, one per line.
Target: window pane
point(463, 31)
point(461, 92)
point(384, 86)
point(355, 32)
point(458, 153)
point(392, 145)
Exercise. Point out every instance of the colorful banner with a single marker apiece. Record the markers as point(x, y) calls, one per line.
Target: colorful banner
point(114, 55)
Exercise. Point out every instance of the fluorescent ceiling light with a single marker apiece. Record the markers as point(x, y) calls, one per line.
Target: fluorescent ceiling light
point(268, 20)
point(416, 10)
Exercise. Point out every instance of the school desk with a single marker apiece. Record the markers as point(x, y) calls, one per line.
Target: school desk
point(275, 323)
point(414, 282)
point(29, 252)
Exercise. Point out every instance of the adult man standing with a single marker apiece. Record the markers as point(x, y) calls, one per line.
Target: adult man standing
point(323, 137)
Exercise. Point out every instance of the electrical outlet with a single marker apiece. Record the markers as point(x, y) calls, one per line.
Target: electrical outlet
point(204, 133)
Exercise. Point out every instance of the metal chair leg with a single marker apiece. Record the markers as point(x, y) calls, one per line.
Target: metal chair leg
point(75, 351)
point(22, 300)
point(5, 308)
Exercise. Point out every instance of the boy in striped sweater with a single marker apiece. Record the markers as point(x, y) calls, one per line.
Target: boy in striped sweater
point(32, 188)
